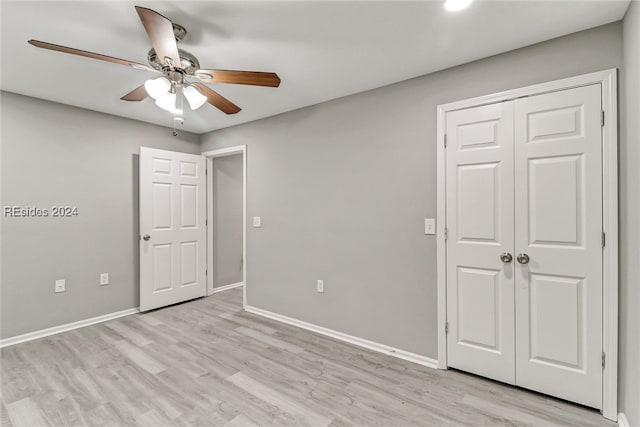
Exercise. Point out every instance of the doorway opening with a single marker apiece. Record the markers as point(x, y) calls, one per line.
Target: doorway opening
point(226, 219)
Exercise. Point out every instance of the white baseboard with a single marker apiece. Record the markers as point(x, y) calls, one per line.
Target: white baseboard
point(67, 327)
point(622, 420)
point(360, 342)
point(225, 288)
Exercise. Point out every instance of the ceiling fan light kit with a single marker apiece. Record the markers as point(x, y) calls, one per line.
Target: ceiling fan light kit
point(168, 103)
point(156, 88)
point(177, 67)
point(194, 97)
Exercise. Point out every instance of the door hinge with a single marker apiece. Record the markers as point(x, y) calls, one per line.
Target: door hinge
point(445, 140)
point(206, 222)
point(206, 272)
point(604, 239)
point(446, 327)
point(446, 233)
point(602, 118)
point(603, 359)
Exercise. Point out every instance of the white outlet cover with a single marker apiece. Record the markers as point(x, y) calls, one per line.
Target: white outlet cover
point(61, 286)
point(320, 286)
point(104, 279)
point(257, 221)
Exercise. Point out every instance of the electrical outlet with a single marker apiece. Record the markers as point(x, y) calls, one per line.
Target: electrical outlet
point(257, 221)
point(61, 286)
point(104, 279)
point(320, 286)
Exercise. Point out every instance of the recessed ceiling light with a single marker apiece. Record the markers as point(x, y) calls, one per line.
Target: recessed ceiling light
point(456, 5)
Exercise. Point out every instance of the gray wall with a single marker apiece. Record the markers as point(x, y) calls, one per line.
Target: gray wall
point(629, 385)
point(54, 154)
point(227, 220)
point(343, 187)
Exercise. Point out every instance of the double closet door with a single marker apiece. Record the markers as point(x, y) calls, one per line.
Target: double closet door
point(524, 247)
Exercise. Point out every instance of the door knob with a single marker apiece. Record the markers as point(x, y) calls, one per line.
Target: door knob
point(146, 237)
point(523, 258)
point(506, 257)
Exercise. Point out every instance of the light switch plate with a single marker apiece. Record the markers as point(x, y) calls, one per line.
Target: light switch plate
point(61, 286)
point(257, 221)
point(320, 286)
point(104, 279)
point(429, 226)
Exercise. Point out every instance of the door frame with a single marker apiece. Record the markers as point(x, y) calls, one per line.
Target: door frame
point(210, 155)
point(608, 81)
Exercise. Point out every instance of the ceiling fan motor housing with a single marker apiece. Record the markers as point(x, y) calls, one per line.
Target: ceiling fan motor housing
point(188, 62)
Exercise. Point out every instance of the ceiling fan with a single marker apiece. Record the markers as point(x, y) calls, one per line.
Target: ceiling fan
point(177, 67)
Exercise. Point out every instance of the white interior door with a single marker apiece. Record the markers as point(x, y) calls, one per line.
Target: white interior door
point(172, 227)
point(480, 300)
point(558, 207)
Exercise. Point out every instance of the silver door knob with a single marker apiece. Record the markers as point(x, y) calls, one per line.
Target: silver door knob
point(146, 237)
point(506, 257)
point(523, 258)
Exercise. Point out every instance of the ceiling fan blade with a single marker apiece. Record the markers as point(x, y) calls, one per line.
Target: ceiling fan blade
point(64, 49)
point(256, 78)
point(160, 32)
point(138, 94)
point(217, 100)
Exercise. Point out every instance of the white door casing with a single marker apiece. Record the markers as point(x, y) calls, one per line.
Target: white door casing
point(172, 227)
point(480, 311)
point(209, 156)
point(607, 82)
point(558, 225)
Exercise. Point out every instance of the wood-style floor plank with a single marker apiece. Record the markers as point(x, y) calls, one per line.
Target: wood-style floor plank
point(25, 413)
point(209, 363)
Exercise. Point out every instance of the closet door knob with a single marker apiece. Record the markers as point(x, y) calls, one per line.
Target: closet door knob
point(506, 257)
point(523, 258)
point(146, 237)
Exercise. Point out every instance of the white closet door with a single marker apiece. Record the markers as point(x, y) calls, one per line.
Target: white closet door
point(480, 300)
point(172, 227)
point(558, 211)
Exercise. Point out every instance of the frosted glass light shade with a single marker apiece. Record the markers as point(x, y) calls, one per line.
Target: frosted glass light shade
point(194, 97)
point(167, 102)
point(157, 88)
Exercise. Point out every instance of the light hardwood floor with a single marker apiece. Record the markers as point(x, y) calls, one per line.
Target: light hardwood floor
point(208, 363)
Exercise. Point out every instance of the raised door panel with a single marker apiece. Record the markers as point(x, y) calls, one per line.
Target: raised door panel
point(162, 266)
point(478, 135)
point(555, 124)
point(189, 263)
point(188, 206)
point(479, 321)
point(558, 313)
point(556, 200)
point(478, 203)
point(558, 207)
point(161, 206)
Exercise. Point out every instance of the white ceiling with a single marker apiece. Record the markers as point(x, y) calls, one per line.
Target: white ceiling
point(321, 50)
